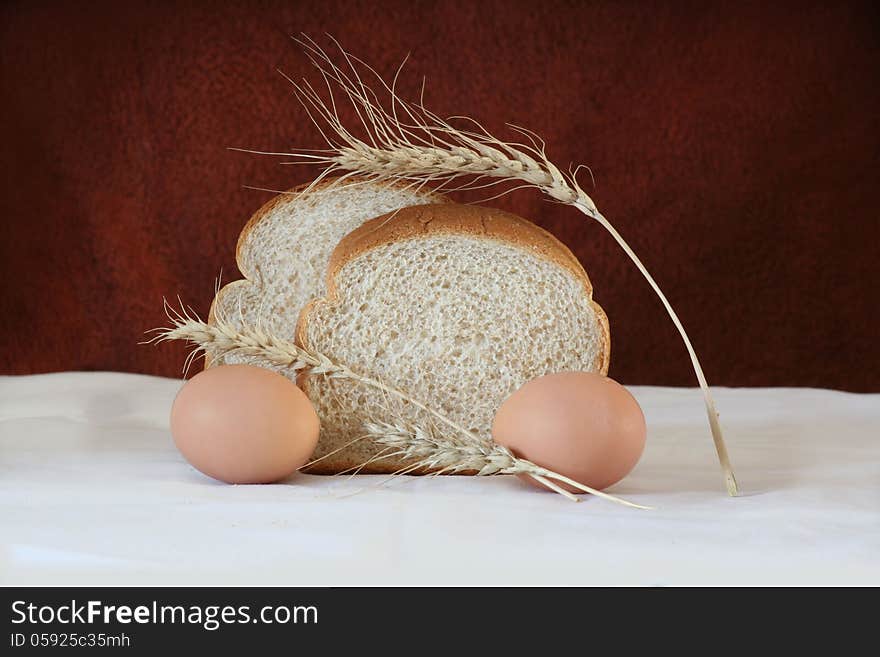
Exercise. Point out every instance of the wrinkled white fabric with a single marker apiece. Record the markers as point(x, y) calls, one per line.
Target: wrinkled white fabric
point(92, 491)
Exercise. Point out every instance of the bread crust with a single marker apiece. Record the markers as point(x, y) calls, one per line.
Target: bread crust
point(290, 196)
point(456, 219)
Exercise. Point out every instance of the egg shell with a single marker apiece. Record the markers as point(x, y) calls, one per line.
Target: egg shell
point(243, 424)
point(580, 424)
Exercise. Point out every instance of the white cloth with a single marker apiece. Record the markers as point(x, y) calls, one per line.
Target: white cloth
point(92, 491)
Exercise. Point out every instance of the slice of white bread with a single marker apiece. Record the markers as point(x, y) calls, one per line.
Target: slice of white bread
point(456, 305)
point(284, 249)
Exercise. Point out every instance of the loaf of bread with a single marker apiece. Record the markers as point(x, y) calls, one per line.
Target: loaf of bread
point(457, 305)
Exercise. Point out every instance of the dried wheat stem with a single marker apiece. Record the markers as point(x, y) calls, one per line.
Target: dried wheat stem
point(715, 426)
point(549, 484)
point(222, 338)
point(408, 142)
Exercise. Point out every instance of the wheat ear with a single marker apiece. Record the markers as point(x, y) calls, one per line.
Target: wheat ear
point(408, 142)
point(221, 338)
point(428, 449)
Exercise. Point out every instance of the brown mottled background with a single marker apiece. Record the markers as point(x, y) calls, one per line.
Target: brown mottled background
point(735, 144)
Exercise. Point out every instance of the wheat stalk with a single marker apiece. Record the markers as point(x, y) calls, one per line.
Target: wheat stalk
point(408, 142)
point(221, 337)
point(426, 449)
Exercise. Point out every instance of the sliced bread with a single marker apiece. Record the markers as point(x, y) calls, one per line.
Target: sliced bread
point(284, 249)
point(458, 306)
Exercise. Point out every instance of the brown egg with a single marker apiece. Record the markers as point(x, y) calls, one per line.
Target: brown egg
point(243, 424)
point(580, 424)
